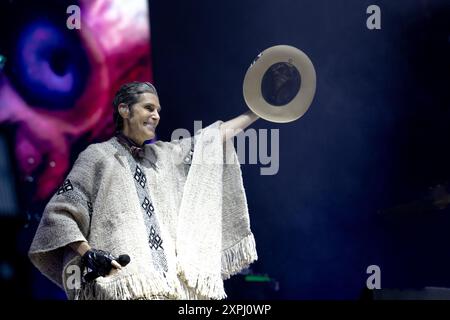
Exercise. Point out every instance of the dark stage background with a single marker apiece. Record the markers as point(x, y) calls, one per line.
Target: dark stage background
point(376, 136)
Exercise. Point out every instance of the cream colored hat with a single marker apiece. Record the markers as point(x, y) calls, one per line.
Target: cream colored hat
point(280, 84)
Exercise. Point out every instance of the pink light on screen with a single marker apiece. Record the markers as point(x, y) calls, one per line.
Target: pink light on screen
point(115, 35)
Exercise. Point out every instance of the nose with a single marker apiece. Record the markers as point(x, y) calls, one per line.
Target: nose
point(155, 114)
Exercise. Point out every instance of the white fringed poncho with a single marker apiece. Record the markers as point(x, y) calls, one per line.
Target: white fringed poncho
point(180, 214)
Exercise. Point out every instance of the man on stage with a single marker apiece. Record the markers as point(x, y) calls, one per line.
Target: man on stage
point(165, 220)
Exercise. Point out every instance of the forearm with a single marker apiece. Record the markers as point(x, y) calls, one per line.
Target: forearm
point(81, 247)
point(236, 125)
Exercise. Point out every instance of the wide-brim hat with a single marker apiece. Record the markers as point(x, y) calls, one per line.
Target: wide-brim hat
point(280, 84)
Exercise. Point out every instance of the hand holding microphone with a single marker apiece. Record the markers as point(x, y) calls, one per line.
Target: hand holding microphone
point(100, 263)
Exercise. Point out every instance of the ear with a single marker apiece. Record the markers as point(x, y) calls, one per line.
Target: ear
point(124, 111)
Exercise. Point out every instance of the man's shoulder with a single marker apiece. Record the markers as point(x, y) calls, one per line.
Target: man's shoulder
point(97, 151)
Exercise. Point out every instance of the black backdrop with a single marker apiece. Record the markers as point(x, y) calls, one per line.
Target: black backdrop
point(375, 136)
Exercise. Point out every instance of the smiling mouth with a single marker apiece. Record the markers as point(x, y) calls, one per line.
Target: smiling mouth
point(149, 125)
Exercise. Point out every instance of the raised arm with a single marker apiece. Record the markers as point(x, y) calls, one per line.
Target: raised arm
point(236, 125)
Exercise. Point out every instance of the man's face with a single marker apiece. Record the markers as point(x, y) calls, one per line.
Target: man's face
point(143, 119)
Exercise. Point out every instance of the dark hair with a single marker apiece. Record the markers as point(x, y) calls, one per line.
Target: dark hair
point(129, 95)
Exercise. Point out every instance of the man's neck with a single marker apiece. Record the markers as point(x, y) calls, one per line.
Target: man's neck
point(136, 150)
point(130, 138)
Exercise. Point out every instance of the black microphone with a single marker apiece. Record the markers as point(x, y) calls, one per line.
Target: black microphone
point(123, 260)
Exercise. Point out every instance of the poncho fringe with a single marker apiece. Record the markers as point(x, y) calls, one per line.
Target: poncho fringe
point(128, 287)
point(239, 256)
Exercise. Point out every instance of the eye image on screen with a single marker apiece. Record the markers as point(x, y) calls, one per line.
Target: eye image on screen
point(57, 83)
